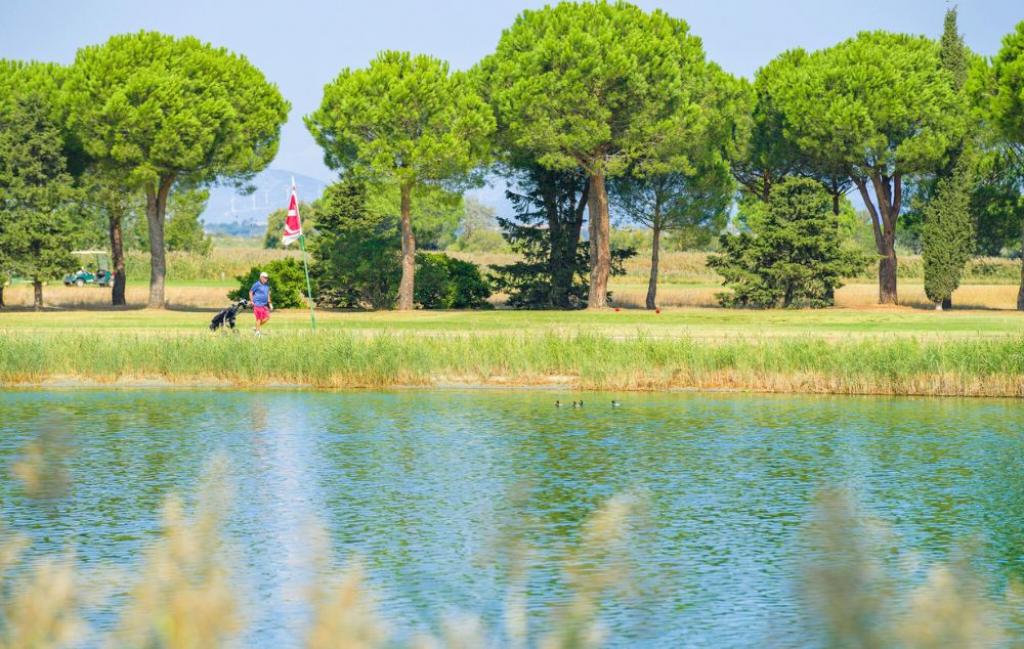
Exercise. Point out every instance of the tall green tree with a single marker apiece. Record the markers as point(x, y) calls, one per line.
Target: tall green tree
point(602, 87)
point(406, 120)
point(1001, 87)
point(166, 110)
point(549, 210)
point(37, 233)
point(875, 109)
point(791, 257)
point(948, 235)
point(675, 202)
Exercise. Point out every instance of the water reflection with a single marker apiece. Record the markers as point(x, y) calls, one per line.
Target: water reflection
point(429, 487)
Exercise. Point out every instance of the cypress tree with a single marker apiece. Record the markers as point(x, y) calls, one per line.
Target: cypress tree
point(948, 236)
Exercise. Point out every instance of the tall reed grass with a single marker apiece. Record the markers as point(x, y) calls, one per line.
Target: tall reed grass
point(186, 596)
point(853, 584)
point(877, 365)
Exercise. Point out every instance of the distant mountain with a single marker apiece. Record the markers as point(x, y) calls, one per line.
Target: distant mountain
point(273, 186)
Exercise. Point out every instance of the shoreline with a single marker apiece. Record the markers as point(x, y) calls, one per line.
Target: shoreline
point(944, 387)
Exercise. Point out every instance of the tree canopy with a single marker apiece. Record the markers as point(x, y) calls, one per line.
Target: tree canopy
point(602, 87)
point(168, 109)
point(876, 108)
point(404, 119)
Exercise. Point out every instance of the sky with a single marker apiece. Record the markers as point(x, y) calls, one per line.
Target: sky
point(302, 44)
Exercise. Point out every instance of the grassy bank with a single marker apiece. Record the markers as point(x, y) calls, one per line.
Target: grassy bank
point(696, 323)
point(877, 365)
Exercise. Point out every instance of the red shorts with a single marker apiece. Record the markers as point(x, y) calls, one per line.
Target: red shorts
point(262, 313)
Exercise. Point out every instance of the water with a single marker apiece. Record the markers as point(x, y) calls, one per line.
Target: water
point(425, 486)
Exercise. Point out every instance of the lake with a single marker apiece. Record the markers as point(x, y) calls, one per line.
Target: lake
point(431, 487)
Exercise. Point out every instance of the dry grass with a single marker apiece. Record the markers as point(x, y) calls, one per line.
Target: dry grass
point(850, 296)
point(691, 268)
point(627, 294)
point(89, 297)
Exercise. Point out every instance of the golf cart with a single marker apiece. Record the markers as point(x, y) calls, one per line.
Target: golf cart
point(95, 269)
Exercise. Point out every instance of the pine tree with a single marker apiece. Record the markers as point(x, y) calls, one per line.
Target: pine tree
point(554, 272)
point(948, 235)
point(36, 191)
point(791, 257)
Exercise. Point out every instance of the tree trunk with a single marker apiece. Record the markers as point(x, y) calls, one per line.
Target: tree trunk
point(883, 221)
point(37, 287)
point(1020, 292)
point(887, 278)
point(652, 284)
point(939, 306)
point(406, 286)
point(117, 260)
point(156, 208)
point(600, 247)
point(2, 305)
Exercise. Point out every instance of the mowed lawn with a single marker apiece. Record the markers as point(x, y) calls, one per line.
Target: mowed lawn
point(693, 322)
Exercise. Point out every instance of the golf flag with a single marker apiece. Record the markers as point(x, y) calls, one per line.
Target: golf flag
point(292, 225)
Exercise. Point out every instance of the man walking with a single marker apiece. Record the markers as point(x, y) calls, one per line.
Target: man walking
point(259, 295)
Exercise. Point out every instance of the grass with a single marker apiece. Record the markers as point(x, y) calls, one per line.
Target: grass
point(873, 365)
point(695, 323)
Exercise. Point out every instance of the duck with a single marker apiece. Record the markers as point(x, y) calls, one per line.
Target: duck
point(577, 404)
point(616, 404)
point(558, 403)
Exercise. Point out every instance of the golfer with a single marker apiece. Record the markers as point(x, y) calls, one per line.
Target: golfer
point(259, 295)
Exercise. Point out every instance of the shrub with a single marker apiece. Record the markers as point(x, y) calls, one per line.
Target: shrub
point(287, 283)
point(356, 256)
point(443, 282)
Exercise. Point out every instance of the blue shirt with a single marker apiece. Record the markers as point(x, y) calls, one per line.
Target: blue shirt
point(260, 293)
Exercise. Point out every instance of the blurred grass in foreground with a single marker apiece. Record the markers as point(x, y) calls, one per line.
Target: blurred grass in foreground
point(185, 595)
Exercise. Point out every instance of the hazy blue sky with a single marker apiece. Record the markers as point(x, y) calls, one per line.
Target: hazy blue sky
point(302, 44)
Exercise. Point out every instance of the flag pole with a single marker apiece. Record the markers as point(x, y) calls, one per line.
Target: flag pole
point(305, 266)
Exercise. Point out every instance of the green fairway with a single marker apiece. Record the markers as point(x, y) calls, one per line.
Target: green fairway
point(690, 322)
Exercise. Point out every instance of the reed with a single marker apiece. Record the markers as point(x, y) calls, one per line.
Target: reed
point(335, 359)
point(854, 579)
point(855, 592)
point(186, 595)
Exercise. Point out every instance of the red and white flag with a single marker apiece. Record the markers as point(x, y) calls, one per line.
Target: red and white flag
point(292, 224)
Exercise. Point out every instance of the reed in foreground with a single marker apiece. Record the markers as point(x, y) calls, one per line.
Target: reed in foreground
point(893, 366)
point(186, 596)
